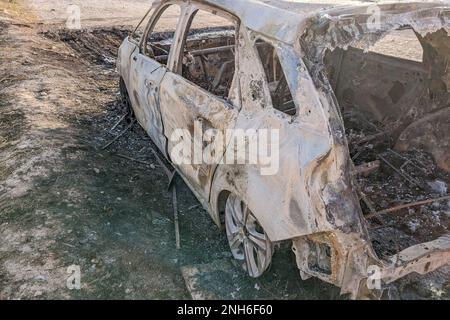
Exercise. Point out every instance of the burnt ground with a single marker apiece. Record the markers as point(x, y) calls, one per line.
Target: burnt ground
point(64, 200)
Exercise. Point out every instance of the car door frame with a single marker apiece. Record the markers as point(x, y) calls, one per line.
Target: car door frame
point(146, 77)
point(202, 190)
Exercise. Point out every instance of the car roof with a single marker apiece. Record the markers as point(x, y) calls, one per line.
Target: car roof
point(283, 20)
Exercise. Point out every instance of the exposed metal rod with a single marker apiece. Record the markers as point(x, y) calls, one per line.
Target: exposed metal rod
point(406, 206)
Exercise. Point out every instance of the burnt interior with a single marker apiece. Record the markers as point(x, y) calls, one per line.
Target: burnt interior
point(279, 90)
point(209, 59)
point(158, 46)
point(397, 118)
point(209, 62)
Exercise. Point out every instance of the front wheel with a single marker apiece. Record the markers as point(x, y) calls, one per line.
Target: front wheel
point(248, 241)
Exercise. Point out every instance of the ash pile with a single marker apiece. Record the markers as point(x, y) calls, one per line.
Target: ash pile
point(404, 194)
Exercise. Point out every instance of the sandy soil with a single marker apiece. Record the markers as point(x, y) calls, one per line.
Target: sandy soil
point(64, 200)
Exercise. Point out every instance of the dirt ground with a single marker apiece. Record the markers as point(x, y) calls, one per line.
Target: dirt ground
point(65, 201)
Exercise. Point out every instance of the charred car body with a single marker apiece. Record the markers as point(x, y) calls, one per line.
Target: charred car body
point(301, 70)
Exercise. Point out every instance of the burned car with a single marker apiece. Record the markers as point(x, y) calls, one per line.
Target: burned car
point(363, 136)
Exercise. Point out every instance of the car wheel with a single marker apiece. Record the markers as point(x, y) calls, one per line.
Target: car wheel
point(125, 101)
point(248, 241)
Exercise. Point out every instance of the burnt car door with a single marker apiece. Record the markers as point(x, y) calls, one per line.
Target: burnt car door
point(148, 66)
point(201, 89)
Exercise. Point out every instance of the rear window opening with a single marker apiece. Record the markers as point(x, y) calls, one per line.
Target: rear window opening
point(396, 111)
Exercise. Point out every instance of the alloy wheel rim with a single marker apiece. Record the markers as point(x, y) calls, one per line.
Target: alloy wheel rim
point(248, 242)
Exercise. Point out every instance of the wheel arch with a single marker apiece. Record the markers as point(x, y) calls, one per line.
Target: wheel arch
point(220, 191)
